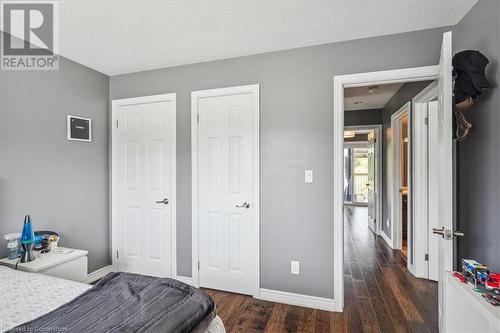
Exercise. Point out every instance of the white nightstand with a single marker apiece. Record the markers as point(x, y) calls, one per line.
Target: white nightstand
point(70, 266)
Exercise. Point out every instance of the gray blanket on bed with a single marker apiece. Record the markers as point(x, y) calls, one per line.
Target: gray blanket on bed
point(124, 302)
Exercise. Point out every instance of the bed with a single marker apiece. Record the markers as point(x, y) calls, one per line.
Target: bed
point(120, 302)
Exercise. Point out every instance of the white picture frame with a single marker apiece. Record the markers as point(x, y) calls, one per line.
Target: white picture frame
point(85, 133)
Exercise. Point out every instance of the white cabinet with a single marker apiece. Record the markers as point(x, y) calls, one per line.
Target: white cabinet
point(467, 311)
point(70, 264)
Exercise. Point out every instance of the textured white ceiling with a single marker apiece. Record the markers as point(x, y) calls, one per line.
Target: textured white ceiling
point(117, 37)
point(376, 100)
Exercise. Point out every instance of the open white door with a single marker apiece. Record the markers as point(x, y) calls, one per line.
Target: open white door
point(445, 180)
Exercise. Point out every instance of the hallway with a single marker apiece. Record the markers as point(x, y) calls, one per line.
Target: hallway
point(386, 297)
point(380, 294)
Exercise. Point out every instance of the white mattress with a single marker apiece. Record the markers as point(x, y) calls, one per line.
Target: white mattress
point(26, 296)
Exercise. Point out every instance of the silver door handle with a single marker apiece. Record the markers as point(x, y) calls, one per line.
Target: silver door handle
point(244, 205)
point(438, 231)
point(448, 234)
point(164, 201)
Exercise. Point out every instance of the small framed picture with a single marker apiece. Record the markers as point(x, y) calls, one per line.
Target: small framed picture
point(79, 129)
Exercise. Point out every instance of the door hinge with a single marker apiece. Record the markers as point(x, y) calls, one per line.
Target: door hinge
point(426, 257)
point(426, 120)
point(197, 117)
point(117, 123)
point(198, 265)
point(116, 253)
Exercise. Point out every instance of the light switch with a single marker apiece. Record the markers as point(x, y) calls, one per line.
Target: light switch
point(308, 176)
point(295, 267)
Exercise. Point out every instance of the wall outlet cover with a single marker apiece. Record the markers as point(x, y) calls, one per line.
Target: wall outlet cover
point(308, 176)
point(295, 267)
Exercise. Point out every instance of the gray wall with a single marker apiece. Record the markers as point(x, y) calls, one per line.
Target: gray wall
point(404, 95)
point(296, 91)
point(363, 117)
point(62, 184)
point(478, 157)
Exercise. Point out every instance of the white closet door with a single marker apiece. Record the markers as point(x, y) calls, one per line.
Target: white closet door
point(145, 184)
point(227, 216)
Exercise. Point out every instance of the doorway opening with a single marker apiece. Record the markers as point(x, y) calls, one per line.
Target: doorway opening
point(443, 131)
point(381, 165)
point(363, 172)
point(442, 72)
point(401, 195)
point(356, 191)
point(379, 238)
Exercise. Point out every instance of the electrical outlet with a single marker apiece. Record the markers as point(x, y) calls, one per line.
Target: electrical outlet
point(308, 176)
point(295, 267)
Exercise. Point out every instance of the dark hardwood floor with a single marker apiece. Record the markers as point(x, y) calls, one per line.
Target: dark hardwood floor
point(380, 294)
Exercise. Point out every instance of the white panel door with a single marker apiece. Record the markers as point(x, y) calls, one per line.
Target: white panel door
point(145, 184)
point(226, 206)
point(445, 181)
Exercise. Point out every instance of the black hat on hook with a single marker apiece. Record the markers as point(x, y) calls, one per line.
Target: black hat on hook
point(470, 79)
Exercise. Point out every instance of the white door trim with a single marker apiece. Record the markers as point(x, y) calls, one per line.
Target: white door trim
point(173, 200)
point(396, 201)
point(341, 82)
point(420, 185)
point(428, 94)
point(195, 96)
point(380, 156)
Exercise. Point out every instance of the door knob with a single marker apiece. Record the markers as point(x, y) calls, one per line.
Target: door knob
point(447, 234)
point(243, 205)
point(164, 201)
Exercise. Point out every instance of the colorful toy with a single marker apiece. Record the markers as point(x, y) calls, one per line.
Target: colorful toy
point(479, 272)
point(460, 277)
point(493, 282)
point(492, 299)
point(482, 274)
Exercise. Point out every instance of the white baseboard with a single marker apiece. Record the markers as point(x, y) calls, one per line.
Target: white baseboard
point(185, 279)
point(99, 274)
point(314, 302)
point(387, 240)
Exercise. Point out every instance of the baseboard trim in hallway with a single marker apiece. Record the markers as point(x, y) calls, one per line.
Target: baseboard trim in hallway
point(306, 301)
point(387, 239)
